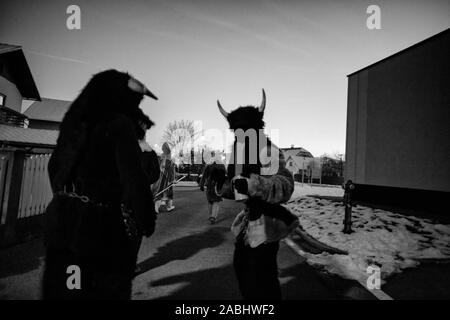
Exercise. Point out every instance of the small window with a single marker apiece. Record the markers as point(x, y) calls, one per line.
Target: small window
point(2, 100)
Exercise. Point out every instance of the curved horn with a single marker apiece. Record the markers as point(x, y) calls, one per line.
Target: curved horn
point(222, 111)
point(149, 93)
point(137, 86)
point(263, 102)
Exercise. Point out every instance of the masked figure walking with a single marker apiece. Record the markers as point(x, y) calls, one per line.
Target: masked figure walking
point(94, 169)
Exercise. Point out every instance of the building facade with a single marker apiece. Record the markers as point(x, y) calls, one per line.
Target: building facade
point(398, 127)
point(24, 151)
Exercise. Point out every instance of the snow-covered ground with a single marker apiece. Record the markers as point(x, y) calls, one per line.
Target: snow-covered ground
point(381, 238)
point(321, 190)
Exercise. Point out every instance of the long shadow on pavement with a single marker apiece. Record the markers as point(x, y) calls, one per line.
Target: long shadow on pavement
point(221, 284)
point(183, 248)
point(21, 258)
point(210, 284)
point(305, 284)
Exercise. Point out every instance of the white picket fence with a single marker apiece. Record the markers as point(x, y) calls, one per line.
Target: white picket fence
point(36, 192)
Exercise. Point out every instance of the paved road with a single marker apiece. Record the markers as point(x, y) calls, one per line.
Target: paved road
point(187, 258)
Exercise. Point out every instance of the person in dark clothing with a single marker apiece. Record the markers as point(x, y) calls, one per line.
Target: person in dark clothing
point(150, 161)
point(95, 167)
point(150, 164)
point(211, 196)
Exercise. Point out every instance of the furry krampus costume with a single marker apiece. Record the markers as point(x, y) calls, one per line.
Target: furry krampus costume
point(95, 167)
point(263, 222)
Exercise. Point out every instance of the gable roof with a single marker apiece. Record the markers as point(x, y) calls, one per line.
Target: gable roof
point(17, 136)
point(294, 160)
point(14, 67)
point(48, 110)
point(297, 152)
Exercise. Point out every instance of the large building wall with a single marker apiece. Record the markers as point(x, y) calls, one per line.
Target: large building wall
point(398, 120)
point(13, 96)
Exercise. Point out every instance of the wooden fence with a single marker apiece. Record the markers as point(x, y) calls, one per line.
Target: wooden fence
point(25, 193)
point(35, 191)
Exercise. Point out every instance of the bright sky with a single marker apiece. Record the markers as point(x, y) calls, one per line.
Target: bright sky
point(191, 53)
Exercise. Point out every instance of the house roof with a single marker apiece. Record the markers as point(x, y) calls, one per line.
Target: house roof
point(441, 34)
point(14, 67)
point(300, 162)
point(48, 110)
point(17, 136)
point(295, 160)
point(297, 152)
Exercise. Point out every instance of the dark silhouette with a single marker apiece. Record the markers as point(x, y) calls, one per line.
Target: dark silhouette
point(96, 166)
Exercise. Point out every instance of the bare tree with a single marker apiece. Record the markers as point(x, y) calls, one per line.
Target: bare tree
point(181, 137)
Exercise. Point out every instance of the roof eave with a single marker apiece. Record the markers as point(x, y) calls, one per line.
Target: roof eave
point(400, 52)
point(27, 144)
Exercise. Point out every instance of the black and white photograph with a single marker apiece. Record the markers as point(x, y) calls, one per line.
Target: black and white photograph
point(225, 158)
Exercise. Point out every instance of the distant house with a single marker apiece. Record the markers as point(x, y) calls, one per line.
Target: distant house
point(26, 142)
point(398, 127)
point(46, 114)
point(300, 162)
point(16, 84)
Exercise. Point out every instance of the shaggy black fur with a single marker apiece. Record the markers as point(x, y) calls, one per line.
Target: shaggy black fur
point(98, 156)
point(248, 117)
point(105, 94)
point(245, 118)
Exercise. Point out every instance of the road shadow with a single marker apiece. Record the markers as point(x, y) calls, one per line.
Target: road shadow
point(210, 284)
point(183, 248)
point(221, 284)
point(305, 284)
point(21, 258)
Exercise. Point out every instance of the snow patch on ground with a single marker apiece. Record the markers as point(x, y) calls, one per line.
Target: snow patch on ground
point(382, 238)
point(320, 190)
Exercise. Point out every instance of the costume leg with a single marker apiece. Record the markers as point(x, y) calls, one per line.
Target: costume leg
point(170, 205)
point(215, 210)
point(268, 273)
point(169, 195)
point(136, 246)
point(55, 277)
point(157, 205)
point(210, 209)
point(257, 271)
point(245, 266)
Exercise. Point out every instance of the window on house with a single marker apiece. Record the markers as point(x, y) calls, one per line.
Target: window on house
point(2, 99)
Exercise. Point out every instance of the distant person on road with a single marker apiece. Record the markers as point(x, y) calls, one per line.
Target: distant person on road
point(167, 177)
point(211, 196)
